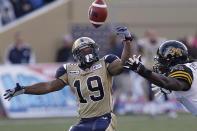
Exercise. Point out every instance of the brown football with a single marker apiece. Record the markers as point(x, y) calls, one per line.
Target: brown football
point(98, 13)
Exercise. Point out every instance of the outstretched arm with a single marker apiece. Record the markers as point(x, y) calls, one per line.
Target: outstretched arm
point(116, 67)
point(44, 87)
point(176, 80)
point(167, 82)
point(36, 89)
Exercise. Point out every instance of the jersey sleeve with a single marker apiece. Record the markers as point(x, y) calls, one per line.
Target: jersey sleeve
point(61, 74)
point(110, 58)
point(182, 72)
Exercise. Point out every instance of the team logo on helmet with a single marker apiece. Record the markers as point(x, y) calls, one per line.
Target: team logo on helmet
point(172, 51)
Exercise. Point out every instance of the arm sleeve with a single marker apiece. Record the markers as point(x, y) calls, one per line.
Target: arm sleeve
point(61, 74)
point(110, 58)
point(182, 72)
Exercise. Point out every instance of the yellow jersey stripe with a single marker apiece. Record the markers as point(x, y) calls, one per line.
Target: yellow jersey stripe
point(182, 76)
point(181, 72)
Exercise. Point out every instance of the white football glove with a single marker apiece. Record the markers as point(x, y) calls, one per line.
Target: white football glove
point(133, 63)
point(158, 91)
point(10, 93)
point(136, 65)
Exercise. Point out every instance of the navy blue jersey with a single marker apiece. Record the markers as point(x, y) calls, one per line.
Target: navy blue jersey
point(16, 56)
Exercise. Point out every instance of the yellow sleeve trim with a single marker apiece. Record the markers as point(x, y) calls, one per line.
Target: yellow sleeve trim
point(181, 75)
point(176, 72)
point(183, 78)
point(181, 72)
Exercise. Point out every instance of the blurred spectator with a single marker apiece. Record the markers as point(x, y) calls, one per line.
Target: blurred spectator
point(5, 17)
point(149, 45)
point(37, 3)
point(192, 49)
point(6, 11)
point(26, 7)
point(21, 7)
point(64, 53)
point(194, 43)
point(17, 4)
point(19, 52)
point(11, 9)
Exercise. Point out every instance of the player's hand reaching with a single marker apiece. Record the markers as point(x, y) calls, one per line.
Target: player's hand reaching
point(162, 90)
point(135, 64)
point(124, 32)
point(158, 91)
point(10, 93)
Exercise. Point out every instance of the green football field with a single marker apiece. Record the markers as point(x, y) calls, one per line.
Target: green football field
point(184, 122)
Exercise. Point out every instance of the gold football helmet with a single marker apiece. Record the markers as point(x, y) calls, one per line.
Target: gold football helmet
point(85, 51)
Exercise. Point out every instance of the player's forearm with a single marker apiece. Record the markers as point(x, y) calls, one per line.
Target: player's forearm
point(164, 82)
point(126, 51)
point(38, 89)
point(134, 63)
point(117, 67)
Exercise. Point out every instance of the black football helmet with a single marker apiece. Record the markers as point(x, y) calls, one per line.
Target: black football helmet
point(85, 58)
point(169, 54)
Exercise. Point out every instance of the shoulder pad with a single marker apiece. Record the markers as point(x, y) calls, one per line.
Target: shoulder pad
point(110, 58)
point(181, 72)
point(61, 71)
point(178, 67)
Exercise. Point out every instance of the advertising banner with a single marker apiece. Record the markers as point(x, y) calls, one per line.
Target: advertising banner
point(56, 104)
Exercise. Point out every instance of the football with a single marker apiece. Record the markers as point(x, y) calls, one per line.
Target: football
point(97, 13)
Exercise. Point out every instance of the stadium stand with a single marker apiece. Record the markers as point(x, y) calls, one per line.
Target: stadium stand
point(13, 9)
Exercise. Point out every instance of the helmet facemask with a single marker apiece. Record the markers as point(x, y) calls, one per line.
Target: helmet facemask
point(86, 54)
point(161, 65)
